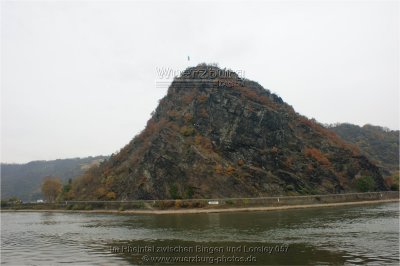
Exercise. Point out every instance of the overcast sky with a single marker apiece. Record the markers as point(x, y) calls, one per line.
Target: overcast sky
point(78, 78)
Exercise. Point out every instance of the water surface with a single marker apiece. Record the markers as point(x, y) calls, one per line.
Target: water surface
point(365, 234)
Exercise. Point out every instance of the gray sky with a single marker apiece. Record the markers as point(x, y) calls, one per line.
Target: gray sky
point(78, 78)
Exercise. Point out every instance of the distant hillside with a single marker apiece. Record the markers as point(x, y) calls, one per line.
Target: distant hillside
point(24, 180)
point(377, 143)
point(216, 135)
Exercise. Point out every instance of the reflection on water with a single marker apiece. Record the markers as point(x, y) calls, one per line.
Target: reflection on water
point(344, 235)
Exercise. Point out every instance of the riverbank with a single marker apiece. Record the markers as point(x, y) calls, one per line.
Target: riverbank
point(213, 210)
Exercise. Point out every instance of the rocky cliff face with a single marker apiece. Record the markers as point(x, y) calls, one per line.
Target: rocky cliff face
point(216, 135)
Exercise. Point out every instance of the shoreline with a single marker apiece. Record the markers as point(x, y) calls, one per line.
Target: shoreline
point(213, 210)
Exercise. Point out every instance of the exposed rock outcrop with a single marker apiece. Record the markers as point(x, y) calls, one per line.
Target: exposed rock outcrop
point(216, 135)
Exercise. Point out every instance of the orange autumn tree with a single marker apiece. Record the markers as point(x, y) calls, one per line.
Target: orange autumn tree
point(51, 188)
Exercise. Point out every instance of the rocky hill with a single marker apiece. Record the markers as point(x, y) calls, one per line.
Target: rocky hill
point(217, 135)
point(377, 143)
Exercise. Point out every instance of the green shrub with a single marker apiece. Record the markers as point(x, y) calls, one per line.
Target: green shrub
point(76, 207)
point(290, 187)
point(5, 204)
point(245, 201)
point(365, 184)
point(173, 191)
point(140, 205)
point(187, 131)
point(190, 192)
point(229, 202)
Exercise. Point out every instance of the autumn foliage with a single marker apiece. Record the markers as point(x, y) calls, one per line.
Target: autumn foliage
point(329, 134)
point(51, 188)
point(317, 155)
point(203, 142)
point(202, 98)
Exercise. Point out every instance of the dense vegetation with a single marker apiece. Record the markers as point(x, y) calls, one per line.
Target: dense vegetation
point(378, 143)
point(24, 180)
point(216, 135)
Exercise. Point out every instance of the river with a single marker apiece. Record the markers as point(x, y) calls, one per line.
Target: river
point(352, 235)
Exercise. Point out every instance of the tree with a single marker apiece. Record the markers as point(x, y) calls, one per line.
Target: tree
point(67, 187)
point(365, 184)
point(51, 188)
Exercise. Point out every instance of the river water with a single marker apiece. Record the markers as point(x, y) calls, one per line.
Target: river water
point(351, 235)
